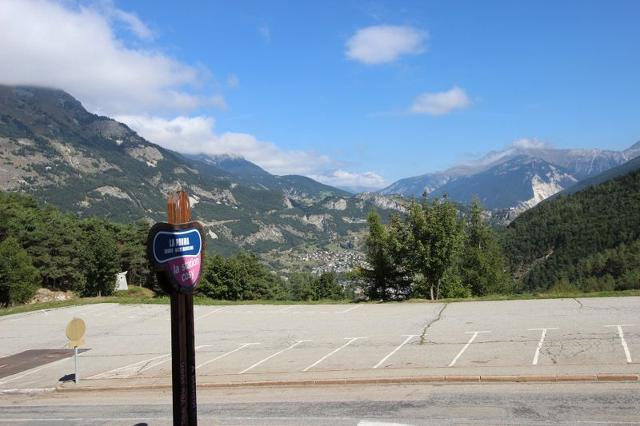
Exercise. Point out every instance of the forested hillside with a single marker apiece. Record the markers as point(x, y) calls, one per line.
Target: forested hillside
point(43, 247)
point(588, 240)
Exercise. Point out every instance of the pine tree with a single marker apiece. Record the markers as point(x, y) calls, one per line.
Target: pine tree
point(482, 265)
point(383, 272)
point(100, 261)
point(19, 279)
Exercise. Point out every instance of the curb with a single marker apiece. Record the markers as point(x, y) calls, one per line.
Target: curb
point(26, 391)
point(590, 378)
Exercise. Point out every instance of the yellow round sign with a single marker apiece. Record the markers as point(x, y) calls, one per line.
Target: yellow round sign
point(75, 330)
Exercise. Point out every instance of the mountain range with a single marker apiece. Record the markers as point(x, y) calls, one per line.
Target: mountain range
point(54, 149)
point(516, 178)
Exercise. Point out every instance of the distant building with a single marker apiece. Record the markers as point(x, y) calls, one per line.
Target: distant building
point(121, 281)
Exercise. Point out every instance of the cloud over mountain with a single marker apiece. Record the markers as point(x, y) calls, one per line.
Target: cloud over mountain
point(196, 135)
point(78, 49)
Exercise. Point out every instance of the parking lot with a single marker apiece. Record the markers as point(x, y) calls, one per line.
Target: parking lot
point(131, 343)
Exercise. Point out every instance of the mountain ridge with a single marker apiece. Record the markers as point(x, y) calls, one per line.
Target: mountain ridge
point(54, 149)
point(573, 165)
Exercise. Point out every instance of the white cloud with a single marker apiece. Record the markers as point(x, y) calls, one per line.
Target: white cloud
point(385, 43)
point(360, 181)
point(441, 103)
point(77, 49)
point(195, 135)
point(80, 49)
point(526, 143)
point(131, 20)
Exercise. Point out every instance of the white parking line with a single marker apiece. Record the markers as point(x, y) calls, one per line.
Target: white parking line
point(624, 342)
point(32, 371)
point(244, 345)
point(349, 310)
point(540, 343)
point(150, 366)
point(208, 314)
point(134, 366)
point(137, 367)
point(409, 337)
point(350, 341)
point(273, 355)
point(475, 334)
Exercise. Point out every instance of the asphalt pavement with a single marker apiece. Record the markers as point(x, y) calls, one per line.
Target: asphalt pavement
point(129, 345)
point(509, 404)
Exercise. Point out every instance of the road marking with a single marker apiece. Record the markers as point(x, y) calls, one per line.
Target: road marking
point(136, 367)
point(624, 342)
point(32, 371)
point(408, 338)
point(244, 345)
point(284, 309)
point(115, 371)
point(208, 314)
point(349, 310)
point(540, 343)
point(273, 355)
point(464, 348)
point(149, 367)
point(350, 341)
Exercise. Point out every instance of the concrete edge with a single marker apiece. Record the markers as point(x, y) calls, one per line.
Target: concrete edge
point(593, 378)
point(26, 391)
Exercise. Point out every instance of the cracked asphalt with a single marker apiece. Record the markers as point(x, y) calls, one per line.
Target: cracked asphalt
point(129, 344)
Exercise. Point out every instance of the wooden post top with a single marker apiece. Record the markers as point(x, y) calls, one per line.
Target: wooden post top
point(178, 208)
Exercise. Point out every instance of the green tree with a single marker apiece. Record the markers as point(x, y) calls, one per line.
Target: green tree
point(131, 242)
point(301, 286)
point(482, 265)
point(326, 287)
point(240, 277)
point(214, 283)
point(52, 239)
point(383, 272)
point(100, 261)
point(19, 279)
point(434, 240)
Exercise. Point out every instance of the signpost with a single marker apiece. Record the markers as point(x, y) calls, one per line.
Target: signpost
point(175, 250)
point(75, 333)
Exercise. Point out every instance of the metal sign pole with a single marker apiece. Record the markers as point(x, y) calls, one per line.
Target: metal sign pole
point(77, 372)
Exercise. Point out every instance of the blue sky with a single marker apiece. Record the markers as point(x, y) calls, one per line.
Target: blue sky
point(354, 93)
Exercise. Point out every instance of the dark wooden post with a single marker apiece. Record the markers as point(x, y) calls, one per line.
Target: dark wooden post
point(183, 354)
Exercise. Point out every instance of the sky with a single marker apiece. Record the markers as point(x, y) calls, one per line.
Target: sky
point(352, 93)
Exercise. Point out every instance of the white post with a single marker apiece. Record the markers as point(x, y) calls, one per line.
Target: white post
point(77, 377)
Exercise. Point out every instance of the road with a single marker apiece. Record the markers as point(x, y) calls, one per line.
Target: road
point(534, 404)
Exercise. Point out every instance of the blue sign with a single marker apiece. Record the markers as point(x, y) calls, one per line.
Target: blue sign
point(176, 252)
point(169, 245)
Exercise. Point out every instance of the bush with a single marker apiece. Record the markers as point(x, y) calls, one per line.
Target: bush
point(18, 277)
